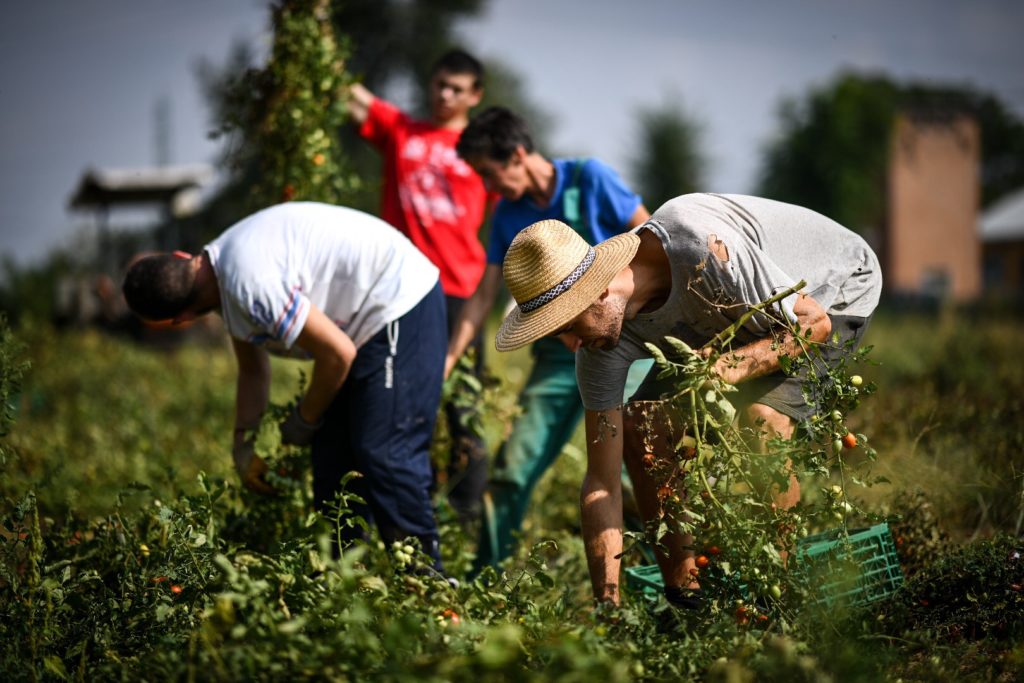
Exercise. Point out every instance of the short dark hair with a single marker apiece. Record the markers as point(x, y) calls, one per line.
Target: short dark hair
point(494, 134)
point(460, 62)
point(159, 287)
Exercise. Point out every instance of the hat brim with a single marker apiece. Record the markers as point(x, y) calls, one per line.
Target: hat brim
point(519, 329)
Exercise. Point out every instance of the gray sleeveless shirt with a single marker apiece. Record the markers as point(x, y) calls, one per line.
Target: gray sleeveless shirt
point(728, 252)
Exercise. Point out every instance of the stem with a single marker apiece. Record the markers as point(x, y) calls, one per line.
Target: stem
point(728, 333)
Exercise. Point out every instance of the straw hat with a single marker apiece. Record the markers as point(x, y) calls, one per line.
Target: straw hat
point(554, 275)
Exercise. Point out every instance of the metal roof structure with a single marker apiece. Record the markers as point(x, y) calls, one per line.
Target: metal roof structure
point(175, 187)
point(1005, 220)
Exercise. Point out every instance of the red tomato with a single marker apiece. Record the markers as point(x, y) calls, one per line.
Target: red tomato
point(176, 589)
point(702, 561)
point(850, 440)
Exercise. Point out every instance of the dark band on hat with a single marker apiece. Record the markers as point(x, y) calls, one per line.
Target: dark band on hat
point(562, 287)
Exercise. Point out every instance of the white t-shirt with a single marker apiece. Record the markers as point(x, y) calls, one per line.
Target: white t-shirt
point(357, 269)
point(728, 253)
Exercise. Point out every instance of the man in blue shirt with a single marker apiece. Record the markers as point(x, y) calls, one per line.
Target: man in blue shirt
point(589, 196)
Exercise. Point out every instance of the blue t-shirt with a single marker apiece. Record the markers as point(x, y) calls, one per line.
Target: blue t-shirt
point(606, 205)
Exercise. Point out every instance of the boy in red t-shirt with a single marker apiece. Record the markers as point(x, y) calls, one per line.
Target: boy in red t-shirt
point(439, 202)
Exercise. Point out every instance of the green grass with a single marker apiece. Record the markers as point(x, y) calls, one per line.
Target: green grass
point(947, 416)
point(84, 594)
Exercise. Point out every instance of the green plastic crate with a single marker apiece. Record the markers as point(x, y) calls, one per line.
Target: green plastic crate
point(856, 570)
point(645, 580)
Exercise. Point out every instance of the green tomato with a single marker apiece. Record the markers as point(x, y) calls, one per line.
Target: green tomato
point(837, 416)
point(775, 591)
point(837, 445)
point(856, 380)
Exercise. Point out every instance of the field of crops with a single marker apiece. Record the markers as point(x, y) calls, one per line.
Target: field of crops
point(130, 551)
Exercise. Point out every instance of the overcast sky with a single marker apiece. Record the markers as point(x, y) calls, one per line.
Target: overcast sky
point(80, 80)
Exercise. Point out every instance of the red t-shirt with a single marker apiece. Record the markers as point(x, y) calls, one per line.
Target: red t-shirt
point(430, 194)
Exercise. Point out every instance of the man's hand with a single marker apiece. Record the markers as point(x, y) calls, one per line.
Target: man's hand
point(296, 431)
point(251, 468)
point(359, 101)
point(449, 364)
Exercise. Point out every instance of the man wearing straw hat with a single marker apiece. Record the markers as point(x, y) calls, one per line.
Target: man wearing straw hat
point(696, 266)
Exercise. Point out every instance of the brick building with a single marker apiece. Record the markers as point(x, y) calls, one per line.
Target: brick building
point(930, 246)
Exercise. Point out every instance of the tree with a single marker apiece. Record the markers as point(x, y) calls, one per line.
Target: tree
point(386, 43)
point(668, 162)
point(289, 111)
point(832, 152)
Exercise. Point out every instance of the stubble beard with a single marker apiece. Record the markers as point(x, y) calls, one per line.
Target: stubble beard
point(612, 315)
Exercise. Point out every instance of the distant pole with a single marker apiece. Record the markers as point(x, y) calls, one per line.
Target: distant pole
point(162, 131)
point(104, 259)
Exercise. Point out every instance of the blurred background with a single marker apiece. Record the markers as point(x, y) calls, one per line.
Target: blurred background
point(132, 126)
point(903, 121)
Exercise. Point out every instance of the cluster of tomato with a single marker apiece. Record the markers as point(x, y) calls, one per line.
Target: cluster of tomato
point(175, 588)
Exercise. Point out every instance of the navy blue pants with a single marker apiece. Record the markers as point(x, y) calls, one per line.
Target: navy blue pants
point(381, 424)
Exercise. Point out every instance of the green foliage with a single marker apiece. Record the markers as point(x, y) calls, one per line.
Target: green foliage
point(128, 414)
point(89, 563)
point(288, 112)
point(12, 371)
point(718, 485)
point(949, 402)
point(971, 592)
point(668, 160)
point(832, 152)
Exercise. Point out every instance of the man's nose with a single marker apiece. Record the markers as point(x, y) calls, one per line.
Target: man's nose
point(571, 341)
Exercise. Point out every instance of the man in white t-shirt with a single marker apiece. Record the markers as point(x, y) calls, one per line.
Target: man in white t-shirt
point(348, 291)
point(699, 264)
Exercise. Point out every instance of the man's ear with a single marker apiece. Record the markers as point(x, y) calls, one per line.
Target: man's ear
point(605, 294)
point(520, 154)
point(475, 95)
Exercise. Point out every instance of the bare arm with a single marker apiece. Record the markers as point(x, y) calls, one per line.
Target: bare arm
point(761, 357)
point(639, 216)
point(251, 394)
point(359, 101)
point(474, 311)
point(253, 388)
point(333, 352)
point(601, 502)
